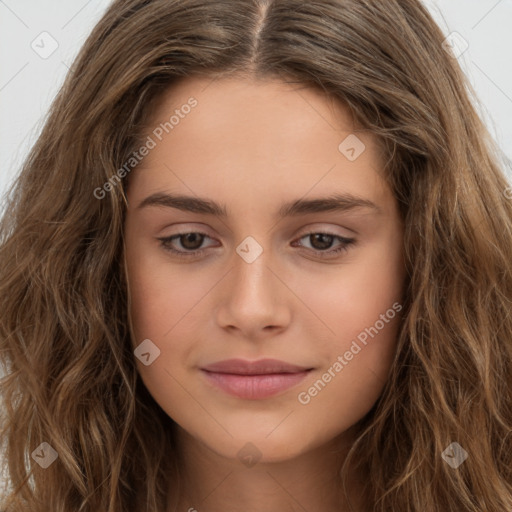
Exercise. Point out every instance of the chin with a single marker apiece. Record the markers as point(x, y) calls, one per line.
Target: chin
point(260, 447)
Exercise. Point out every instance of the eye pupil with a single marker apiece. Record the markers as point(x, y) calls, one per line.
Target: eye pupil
point(194, 238)
point(324, 239)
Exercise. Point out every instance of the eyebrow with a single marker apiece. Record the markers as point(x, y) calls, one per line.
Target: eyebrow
point(334, 203)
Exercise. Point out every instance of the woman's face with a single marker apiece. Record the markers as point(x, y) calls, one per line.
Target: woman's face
point(301, 262)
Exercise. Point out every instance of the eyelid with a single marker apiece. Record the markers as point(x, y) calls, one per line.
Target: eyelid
point(325, 231)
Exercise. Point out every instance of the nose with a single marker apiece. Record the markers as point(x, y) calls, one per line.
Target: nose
point(254, 301)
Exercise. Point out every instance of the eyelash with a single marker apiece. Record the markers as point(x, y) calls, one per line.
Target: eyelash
point(345, 244)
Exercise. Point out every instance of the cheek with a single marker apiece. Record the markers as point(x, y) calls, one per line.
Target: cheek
point(361, 308)
point(353, 297)
point(354, 371)
point(159, 304)
point(161, 294)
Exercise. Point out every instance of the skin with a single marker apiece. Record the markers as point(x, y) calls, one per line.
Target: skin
point(253, 146)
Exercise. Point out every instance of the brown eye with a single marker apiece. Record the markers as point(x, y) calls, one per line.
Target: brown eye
point(191, 241)
point(321, 241)
point(184, 244)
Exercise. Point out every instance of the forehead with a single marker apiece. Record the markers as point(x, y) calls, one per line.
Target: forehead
point(236, 102)
point(212, 136)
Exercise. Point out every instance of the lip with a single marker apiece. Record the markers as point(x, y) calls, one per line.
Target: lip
point(254, 380)
point(260, 367)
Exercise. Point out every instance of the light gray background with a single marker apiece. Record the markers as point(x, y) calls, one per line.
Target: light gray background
point(29, 82)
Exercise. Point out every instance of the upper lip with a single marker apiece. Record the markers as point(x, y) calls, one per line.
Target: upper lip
point(261, 367)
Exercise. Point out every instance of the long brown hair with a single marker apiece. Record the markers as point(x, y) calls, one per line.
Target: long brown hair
point(71, 380)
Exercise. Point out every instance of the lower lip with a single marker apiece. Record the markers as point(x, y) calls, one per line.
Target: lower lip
point(255, 387)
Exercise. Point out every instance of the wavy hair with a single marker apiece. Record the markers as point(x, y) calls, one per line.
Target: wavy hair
point(70, 377)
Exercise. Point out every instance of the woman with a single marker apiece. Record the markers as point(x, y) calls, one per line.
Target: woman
point(266, 369)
